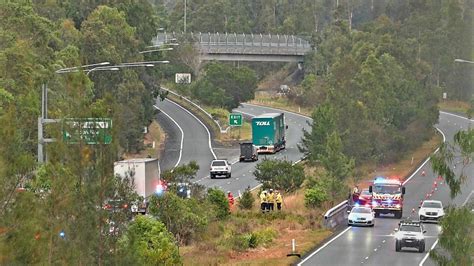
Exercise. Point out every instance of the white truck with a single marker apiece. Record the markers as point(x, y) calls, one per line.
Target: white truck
point(145, 173)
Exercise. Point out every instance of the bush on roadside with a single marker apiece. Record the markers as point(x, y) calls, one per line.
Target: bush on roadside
point(247, 200)
point(317, 193)
point(219, 201)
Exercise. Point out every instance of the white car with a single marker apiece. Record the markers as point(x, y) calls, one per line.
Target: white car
point(220, 168)
point(361, 216)
point(431, 210)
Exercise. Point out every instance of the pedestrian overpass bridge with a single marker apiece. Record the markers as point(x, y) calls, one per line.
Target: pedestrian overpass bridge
point(242, 47)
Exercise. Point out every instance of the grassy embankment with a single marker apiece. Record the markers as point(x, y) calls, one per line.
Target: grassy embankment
point(155, 134)
point(454, 106)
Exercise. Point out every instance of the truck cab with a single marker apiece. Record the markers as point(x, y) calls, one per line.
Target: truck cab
point(387, 196)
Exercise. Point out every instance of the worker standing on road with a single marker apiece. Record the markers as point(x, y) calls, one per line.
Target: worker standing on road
point(263, 201)
point(271, 200)
point(230, 198)
point(278, 200)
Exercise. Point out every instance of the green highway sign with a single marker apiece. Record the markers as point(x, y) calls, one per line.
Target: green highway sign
point(87, 130)
point(235, 119)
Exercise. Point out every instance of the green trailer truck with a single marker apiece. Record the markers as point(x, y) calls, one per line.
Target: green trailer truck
point(268, 132)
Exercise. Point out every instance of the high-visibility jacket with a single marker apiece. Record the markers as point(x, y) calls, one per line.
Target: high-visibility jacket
point(279, 199)
point(270, 197)
point(263, 198)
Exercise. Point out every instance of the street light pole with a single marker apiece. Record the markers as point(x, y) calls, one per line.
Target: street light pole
point(185, 4)
point(44, 97)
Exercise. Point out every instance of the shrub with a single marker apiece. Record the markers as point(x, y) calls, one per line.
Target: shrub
point(265, 236)
point(315, 196)
point(218, 199)
point(247, 200)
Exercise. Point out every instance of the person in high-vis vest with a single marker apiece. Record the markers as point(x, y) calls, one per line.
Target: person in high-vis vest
point(270, 200)
point(278, 200)
point(263, 201)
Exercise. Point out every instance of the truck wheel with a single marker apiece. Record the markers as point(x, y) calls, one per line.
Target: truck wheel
point(229, 175)
point(377, 215)
point(398, 246)
point(421, 248)
point(212, 176)
point(399, 214)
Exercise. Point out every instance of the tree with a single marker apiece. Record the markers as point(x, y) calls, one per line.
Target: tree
point(247, 200)
point(279, 174)
point(219, 201)
point(456, 236)
point(314, 141)
point(335, 162)
point(224, 86)
point(147, 242)
point(185, 218)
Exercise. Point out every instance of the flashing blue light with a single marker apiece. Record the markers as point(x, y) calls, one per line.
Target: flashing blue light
point(62, 234)
point(379, 179)
point(159, 190)
point(374, 203)
point(356, 204)
point(390, 201)
point(181, 190)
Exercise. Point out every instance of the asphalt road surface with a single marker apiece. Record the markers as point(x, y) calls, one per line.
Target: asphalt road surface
point(187, 139)
point(177, 122)
point(242, 172)
point(376, 246)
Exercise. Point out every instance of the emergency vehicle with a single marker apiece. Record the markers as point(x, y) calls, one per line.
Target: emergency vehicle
point(387, 196)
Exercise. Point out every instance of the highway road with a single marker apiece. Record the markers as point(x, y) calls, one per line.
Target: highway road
point(242, 172)
point(376, 246)
point(187, 138)
point(178, 123)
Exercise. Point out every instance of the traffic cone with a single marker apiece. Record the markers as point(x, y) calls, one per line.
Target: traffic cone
point(413, 211)
point(423, 173)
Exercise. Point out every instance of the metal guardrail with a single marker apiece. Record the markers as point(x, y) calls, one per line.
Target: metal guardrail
point(336, 215)
point(199, 107)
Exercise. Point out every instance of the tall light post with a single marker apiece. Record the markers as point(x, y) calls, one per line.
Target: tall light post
point(185, 4)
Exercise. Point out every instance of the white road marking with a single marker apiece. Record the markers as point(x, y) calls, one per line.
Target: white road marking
point(205, 127)
point(427, 159)
point(182, 135)
point(458, 116)
point(437, 239)
point(329, 242)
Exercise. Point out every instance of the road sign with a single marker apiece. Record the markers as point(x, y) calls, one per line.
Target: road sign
point(235, 120)
point(87, 130)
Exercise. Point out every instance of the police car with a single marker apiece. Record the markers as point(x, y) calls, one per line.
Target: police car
point(410, 234)
point(361, 215)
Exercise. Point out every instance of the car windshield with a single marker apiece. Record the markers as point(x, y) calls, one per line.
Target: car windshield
point(361, 210)
point(410, 228)
point(218, 163)
point(387, 189)
point(431, 205)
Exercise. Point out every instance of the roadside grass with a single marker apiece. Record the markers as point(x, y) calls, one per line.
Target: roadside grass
point(454, 106)
point(222, 242)
point(155, 134)
point(271, 100)
point(403, 168)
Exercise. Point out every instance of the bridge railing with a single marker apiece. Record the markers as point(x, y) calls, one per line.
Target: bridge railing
point(244, 43)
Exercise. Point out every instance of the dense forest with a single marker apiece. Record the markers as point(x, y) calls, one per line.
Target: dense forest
point(374, 78)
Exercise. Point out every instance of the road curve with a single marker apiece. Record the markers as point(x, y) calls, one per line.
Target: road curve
point(176, 121)
point(376, 246)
